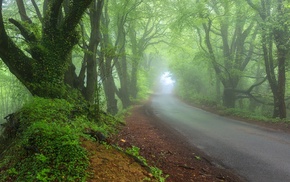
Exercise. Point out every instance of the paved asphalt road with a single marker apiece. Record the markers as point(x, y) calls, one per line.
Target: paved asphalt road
point(255, 153)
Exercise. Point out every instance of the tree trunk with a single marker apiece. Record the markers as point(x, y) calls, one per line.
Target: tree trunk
point(229, 98)
point(90, 56)
point(123, 92)
point(259, 74)
point(135, 61)
point(112, 107)
point(281, 36)
point(134, 77)
point(43, 71)
point(108, 83)
point(280, 102)
point(218, 90)
point(279, 32)
point(122, 68)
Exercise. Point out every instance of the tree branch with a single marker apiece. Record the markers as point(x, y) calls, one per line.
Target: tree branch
point(257, 84)
point(3, 35)
point(75, 14)
point(18, 63)
point(28, 36)
point(255, 7)
point(249, 90)
point(37, 10)
point(251, 96)
point(51, 16)
point(22, 11)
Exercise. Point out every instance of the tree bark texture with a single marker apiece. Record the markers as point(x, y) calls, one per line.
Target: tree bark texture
point(43, 72)
point(90, 56)
point(121, 64)
point(109, 86)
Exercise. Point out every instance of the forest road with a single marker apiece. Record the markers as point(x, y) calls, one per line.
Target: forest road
point(256, 153)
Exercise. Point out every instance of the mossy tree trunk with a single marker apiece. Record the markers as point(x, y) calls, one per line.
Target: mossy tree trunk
point(43, 70)
point(106, 64)
point(121, 62)
point(274, 23)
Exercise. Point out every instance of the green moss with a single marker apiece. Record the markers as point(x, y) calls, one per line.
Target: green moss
point(47, 146)
point(53, 154)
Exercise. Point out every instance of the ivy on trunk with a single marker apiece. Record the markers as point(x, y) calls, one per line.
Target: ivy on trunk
point(42, 70)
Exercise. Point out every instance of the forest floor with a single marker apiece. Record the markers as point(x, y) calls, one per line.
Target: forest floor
point(164, 148)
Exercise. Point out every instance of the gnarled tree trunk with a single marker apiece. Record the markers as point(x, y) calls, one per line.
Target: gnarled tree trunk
point(43, 72)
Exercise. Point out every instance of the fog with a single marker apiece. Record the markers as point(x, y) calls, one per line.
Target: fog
point(166, 83)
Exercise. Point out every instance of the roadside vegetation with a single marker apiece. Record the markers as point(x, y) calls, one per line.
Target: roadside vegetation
point(242, 113)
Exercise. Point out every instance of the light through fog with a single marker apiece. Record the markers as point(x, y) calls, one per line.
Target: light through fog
point(166, 83)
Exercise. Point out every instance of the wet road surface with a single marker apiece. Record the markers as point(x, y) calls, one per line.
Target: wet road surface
point(256, 153)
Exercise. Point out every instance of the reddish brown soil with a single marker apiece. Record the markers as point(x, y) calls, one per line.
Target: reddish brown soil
point(107, 164)
point(168, 150)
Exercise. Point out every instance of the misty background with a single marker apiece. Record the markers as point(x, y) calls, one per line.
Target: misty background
point(230, 55)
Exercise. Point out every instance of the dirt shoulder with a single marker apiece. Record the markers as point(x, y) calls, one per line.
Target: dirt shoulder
point(166, 149)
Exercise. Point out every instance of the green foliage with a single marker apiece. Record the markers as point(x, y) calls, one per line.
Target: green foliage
point(47, 146)
point(204, 101)
point(143, 85)
point(58, 155)
point(48, 110)
point(194, 79)
point(156, 172)
point(134, 151)
point(197, 157)
point(245, 114)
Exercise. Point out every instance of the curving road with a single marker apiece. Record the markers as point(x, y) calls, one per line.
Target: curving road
point(257, 154)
